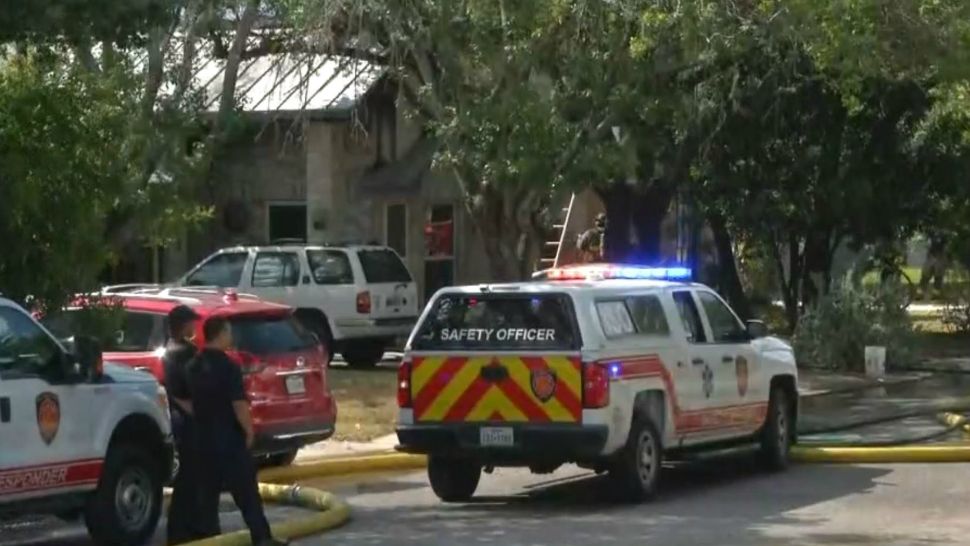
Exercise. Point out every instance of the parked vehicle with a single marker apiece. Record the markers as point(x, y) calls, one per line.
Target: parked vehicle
point(357, 298)
point(604, 366)
point(78, 438)
point(284, 365)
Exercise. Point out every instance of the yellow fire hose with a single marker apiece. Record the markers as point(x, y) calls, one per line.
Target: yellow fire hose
point(936, 453)
point(332, 512)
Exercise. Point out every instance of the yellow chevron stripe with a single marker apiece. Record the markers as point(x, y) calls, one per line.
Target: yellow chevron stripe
point(424, 372)
point(456, 387)
point(495, 401)
point(568, 374)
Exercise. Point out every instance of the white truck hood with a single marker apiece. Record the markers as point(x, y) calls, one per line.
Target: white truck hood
point(123, 374)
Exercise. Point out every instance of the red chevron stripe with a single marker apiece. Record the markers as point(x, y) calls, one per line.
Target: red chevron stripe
point(466, 402)
point(523, 401)
point(437, 383)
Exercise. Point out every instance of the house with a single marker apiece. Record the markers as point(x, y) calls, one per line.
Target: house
point(327, 157)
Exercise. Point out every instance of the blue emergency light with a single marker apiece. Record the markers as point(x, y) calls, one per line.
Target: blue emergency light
point(614, 272)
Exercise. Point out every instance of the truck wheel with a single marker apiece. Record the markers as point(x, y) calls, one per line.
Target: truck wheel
point(776, 435)
point(363, 354)
point(453, 480)
point(125, 508)
point(636, 470)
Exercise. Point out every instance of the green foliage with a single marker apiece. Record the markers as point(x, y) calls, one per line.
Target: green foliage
point(71, 152)
point(93, 316)
point(834, 333)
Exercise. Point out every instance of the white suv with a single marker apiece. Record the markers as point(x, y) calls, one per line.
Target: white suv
point(356, 298)
point(77, 439)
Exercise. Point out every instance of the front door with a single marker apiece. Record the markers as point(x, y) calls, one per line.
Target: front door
point(47, 431)
point(697, 418)
point(742, 394)
point(276, 276)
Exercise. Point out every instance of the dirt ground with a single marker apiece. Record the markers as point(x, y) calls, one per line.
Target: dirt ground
point(366, 402)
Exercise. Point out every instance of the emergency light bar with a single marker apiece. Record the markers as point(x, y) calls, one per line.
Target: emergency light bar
point(613, 272)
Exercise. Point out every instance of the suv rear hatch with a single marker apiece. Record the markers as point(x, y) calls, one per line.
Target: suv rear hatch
point(391, 296)
point(284, 367)
point(495, 358)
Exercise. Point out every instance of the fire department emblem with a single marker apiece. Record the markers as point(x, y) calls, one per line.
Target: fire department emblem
point(543, 382)
point(48, 416)
point(741, 367)
point(708, 376)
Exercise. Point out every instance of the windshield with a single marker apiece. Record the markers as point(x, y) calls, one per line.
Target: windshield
point(383, 266)
point(262, 335)
point(499, 322)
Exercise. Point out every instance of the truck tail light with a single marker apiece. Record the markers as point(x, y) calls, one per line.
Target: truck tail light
point(404, 384)
point(363, 303)
point(596, 386)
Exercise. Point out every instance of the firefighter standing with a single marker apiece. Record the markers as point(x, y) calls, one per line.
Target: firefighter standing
point(183, 525)
point(225, 432)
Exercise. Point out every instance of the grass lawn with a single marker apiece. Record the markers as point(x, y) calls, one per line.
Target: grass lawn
point(934, 340)
point(366, 402)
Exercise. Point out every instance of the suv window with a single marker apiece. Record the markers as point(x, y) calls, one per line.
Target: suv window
point(223, 270)
point(648, 314)
point(725, 327)
point(139, 331)
point(276, 269)
point(267, 335)
point(383, 266)
point(689, 315)
point(25, 349)
point(499, 322)
point(330, 266)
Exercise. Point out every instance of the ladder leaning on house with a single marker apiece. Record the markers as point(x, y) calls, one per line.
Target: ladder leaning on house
point(552, 251)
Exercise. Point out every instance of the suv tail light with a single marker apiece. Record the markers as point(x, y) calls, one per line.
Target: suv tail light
point(596, 386)
point(248, 362)
point(404, 384)
point(363, 303)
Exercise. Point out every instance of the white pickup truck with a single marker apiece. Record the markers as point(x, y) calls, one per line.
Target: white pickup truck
point(608, 367)
point(78, 438)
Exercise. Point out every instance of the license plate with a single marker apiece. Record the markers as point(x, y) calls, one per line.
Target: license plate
point(295, 384)
point(496, 436)
point(394, 301)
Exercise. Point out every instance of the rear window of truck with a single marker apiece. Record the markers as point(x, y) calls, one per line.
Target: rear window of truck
point(499, 322)
point(383, 266)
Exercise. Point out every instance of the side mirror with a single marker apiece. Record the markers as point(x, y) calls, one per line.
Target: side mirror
point(757, 328)
point(88, 357)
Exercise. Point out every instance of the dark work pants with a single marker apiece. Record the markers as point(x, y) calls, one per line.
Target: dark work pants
point(232, 470)
point(183, 512)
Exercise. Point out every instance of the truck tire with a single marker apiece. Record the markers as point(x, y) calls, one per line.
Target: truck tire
point(126, 506)
point(283, 459)
point(636, 470)
point(776, 435)
point(453, 480)
point(363, 354)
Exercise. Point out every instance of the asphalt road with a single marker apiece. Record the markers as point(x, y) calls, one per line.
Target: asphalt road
point(721, 502)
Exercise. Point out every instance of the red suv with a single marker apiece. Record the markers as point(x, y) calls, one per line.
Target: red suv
point(284, 365)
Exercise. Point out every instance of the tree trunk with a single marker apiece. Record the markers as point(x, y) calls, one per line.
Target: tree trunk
point(728, 271)
point(231, 73)
point(649, 211)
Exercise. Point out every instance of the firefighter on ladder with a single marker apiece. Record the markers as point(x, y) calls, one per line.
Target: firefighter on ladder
point(590, 242)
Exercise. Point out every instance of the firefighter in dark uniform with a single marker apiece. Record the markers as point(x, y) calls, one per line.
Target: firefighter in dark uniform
point(183, 523)
point(225, 432)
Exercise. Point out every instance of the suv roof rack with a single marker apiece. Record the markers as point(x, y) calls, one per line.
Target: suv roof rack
point(204, 290)
point(130, 287)
point(288, 241)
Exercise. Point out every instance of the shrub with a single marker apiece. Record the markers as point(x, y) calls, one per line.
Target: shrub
point(834, 333)
point(956, 309)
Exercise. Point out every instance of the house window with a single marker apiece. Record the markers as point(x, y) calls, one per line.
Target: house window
point(396, 228)
point(287, 221)
point(439, 258)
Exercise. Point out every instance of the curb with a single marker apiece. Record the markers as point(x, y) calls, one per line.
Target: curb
point(333, 513)
point(345, 465)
